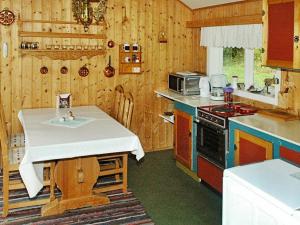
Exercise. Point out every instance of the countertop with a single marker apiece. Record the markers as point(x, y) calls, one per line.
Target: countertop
point(285, 130)
point(193, 100)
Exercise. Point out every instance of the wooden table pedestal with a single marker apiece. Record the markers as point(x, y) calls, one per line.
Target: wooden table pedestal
point(75, 178)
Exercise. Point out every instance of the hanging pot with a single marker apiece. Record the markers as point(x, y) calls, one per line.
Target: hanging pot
point(109, 71)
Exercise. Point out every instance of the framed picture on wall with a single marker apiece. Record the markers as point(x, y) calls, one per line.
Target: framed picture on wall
point(64, 101)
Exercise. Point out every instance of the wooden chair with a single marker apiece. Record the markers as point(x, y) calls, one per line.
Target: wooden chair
point(11, 156)
point(118, 103)
point(116, 164)
point(127, 110)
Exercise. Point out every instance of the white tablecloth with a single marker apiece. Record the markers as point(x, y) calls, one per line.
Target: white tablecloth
point(47, 142)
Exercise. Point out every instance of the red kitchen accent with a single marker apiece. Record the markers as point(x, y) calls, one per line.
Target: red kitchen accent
point(290, 155)
point(210, 173)
point(281, 31)
point(257, 153)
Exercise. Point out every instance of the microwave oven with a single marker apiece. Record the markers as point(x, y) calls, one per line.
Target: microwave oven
point(184, 83)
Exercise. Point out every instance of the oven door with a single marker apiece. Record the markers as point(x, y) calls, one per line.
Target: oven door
point(212, 143)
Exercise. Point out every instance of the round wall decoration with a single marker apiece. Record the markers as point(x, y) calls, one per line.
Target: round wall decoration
point(44, 70)
point(7, 17)
point(83, 71)
point(64, 70)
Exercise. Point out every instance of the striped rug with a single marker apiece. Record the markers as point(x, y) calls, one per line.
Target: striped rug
point(123, 209)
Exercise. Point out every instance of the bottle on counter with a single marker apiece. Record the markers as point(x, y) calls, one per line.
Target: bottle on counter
point(228, 94)
point(234, 82)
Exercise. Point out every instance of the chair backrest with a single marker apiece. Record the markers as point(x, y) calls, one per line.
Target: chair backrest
point(118, 102)
point(127, 110)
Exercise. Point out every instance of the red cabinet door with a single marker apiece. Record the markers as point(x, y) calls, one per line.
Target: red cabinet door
point(280, 27)
point(290, 155)
point(183, 138)
point(251, 149)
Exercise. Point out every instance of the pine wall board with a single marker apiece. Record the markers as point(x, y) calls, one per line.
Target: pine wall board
point(23, 86)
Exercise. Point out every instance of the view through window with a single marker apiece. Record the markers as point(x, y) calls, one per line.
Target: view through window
point(234, 65)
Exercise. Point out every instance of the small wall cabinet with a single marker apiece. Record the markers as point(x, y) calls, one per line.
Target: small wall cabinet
point(130, 61)
point(183, 137)
point(281, 33)
point(250, 149)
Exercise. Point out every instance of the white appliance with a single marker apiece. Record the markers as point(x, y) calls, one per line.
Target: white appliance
point(217, 82)
point(266, 193)
point(204, 87)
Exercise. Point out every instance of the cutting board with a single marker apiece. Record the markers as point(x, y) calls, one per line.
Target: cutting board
point(278, 114)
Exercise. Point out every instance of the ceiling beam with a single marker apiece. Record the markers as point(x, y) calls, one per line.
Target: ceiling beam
point(226, 21)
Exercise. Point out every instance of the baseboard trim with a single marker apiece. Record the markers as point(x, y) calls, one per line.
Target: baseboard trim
point(188, 172)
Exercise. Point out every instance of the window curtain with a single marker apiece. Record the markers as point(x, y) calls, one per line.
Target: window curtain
point(239, 36)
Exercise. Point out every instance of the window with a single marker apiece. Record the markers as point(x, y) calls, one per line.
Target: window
point(261, 72)
point(247, 65)
point(234, 63)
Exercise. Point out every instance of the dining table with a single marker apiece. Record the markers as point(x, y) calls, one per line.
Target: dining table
point(73, 138)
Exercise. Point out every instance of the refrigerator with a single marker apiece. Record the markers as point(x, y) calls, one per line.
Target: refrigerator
point(265, 193)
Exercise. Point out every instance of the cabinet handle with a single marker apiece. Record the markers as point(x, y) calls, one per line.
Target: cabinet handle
point(296, 39)
point(190, 134)
point(263, 12)
point(235, 147)
point(262, 50)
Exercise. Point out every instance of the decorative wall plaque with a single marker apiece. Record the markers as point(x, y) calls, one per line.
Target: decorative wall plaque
point(64, 70)
point(44, 70)
point(83, 71)
point(7, 17)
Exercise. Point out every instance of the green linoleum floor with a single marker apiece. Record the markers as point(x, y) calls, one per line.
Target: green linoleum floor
point(169, 195)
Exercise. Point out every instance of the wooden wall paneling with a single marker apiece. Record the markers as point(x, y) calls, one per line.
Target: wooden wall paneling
point(6, 67)
point(162, 74)
point(36, 63)
point(138, 123)
point(66, 15)
point(16, 77)
point(155, 71)
point(55, 64)
point(148, 106)
point(27, 60)
point(170, 63)
point(46, 78)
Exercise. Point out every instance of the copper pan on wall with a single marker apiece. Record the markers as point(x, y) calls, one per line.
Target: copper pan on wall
point(109, 71)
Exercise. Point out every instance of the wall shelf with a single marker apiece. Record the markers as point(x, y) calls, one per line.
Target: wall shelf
point(59, 54)
point(61, 35)
point(62, 54)
point(130, 62)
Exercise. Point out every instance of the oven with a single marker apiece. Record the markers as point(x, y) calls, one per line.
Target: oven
point(212, 142)
point(212, 147)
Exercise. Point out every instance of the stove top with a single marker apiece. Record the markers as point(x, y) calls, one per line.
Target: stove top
point(230, 110)
point(218, 115)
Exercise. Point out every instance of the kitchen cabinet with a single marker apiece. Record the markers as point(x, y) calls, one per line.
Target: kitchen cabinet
point(281, 33)
point(248, 144)
point(183, 137)
point(250, 149)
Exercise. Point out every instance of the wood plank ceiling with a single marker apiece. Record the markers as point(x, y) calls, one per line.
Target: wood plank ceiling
point(195, 4)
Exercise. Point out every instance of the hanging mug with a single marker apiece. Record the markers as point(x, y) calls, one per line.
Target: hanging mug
point(135, 47)
point(126, 47)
